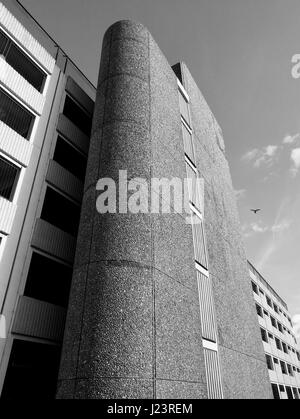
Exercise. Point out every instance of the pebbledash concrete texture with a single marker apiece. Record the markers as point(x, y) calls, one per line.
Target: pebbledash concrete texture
point(133, 327)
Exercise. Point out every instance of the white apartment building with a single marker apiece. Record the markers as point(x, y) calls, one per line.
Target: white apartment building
point(46, 108)
point(280, 344)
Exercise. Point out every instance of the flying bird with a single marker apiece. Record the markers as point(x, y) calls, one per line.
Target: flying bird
point(255, 210)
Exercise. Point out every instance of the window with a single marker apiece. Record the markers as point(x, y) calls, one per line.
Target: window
point(254, 288)
point(276, 394)
point(273, 321)
point(270, 336)
point(266, 313)
point(15, 116)
point(295, 393)
point(280, 328)
point(61, 212)
point(78, 116)
point(281, 388)
point(283, 368)
point(278, 344)
point(264, 335)
point(259, 311)
point(289, 393)
point(261, 291)
point(290, 370)
point(285, 350)
point(276, 361)
point(69, 158)
point(269, 362)
point(276, 308)
point(32, 371)
point(48, 280)
point(20, 62)
point(9, 176)
point(269, 302)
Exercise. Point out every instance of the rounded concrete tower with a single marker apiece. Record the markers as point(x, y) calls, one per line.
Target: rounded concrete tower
point(133, 326)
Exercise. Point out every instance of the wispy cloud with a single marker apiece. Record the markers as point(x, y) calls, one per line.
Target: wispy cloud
point(268, 155)
point(281, 224)
point(290, 139)
point(259, 157)
point(280, 227)
point(240, 194)
point(295, 157)
point(260, 228)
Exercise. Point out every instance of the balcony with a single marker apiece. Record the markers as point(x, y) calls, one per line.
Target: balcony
point(54, 241)
point(38, 319)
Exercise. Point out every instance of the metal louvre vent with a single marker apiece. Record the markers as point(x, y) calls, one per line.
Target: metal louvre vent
point(208, 323)
point(214, 382)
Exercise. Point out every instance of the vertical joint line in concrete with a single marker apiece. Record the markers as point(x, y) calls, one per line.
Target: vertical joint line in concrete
point(151, 230)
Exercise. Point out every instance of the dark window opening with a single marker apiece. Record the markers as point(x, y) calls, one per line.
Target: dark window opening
point(283, 368)
point(295, 392)
point(289, 393)
point(9, 176)
point(269, 362)
point(15, 116)
point(26, 68)
point(32, 372)
point(278, 344)
point(69, 158)
point(254, 288)
point(259, 311)
point(276, 394)
point(48, 281)
point(61, 212)
point(264, 335)
point(77, 115)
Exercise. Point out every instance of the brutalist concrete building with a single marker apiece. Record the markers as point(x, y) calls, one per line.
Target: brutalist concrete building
point(159, 308)
point(160, 304)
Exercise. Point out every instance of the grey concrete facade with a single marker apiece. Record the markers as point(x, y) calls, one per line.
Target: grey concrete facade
point(133, 326)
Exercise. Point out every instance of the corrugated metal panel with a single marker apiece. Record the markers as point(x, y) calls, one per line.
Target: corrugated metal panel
point(39, 319)
point(7, 214)
point(53, 241)
point(195, 189)
point(12, 80)
point(214, 383)
point(14, 145)
point(184, 108)
point(78, 94)
point(208, 321)
point(28, 42)
point(199, 241)
point(188, 143)
point(72, 133)
point(64, 180)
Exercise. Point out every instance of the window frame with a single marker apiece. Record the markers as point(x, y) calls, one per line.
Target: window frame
point(12, 162)
point(21, 105)
point(12, 43)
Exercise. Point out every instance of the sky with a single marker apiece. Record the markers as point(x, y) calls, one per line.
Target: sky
point(239, 52)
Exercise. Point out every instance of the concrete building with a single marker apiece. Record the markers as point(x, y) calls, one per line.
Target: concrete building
point(280, 344)
point(46, 108)
point(159, 307)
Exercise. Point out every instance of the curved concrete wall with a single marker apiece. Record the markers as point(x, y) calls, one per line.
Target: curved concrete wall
point(133, 326)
